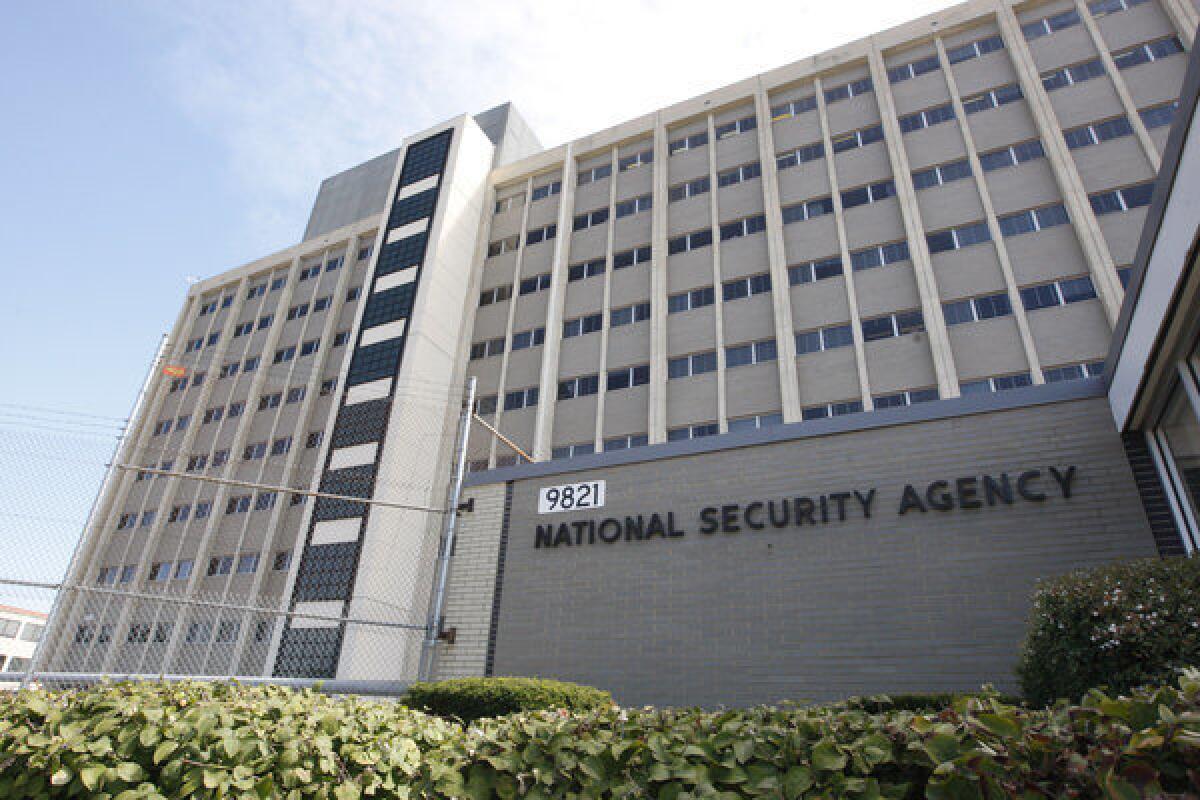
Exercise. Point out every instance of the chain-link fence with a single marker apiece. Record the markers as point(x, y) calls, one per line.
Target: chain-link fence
point(245, 551)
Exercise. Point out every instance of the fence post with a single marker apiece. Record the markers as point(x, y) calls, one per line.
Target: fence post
point(449, 522)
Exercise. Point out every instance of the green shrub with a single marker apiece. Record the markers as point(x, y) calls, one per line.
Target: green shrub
point(200, 741)
point(1118, 627)
point(470, 699)
point(926, 702)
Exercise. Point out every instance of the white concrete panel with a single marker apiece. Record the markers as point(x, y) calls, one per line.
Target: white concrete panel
point(396, 279)
point(405, 231)
point(336, 531)
point(354, 456)
point(381, 333)
point(328, 608)
point(368, 391)
point(418, 187)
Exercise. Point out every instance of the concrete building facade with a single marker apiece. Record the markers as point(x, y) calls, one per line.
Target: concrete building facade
point(892, 264)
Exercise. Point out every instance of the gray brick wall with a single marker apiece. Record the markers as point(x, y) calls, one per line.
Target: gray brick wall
point(933, 601)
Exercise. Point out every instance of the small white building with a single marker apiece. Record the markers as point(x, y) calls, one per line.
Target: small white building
point(20, 630)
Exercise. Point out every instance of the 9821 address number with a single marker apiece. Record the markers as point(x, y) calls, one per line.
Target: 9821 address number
point(571, 497)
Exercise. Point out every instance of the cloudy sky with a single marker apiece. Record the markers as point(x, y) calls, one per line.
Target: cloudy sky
point(148, 142)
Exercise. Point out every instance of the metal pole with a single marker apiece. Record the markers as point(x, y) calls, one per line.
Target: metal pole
point(54, 618)
point(433, 627)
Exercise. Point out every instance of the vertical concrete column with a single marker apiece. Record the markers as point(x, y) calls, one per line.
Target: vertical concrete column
point(657, 417)
point(1110, 66)
point(606, 302)
point(512, 313)
point(914, 229)
point(714, 221)
point(989, 212)
point(781, 296)
point(543, 429)
point(1074, 195)
point(1185, 17)
point(860, 351)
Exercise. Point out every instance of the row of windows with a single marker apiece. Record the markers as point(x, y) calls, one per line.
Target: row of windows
point(140, 633)
point(1122, 199)
point(265, 321)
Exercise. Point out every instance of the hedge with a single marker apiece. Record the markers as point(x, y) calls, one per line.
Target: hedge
point(1117, 627)
point(469, 699)
point(209, 741)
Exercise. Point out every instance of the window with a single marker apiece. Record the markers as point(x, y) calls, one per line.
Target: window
point(220, 565)
point(997, 384)
point(327, 386)
point(251, 364)
point(106, 576)
point(687, 143)
point(505, 245)
point(589, 218)
point(181, 422)
point(594, 174)
point(527, 339)
point(198, 632)
point(183, 569)
point(693, 432)
point(1069, 76)
point(212, 339)
point(1033, 220)
point(626, 377)
point(334, 263)
point(278, 283)
point(746, 287)
point(911, 70)
point(486, 405)
point(831, 410)
point(497, 294)
point(1145, 53)
point(203, 509)
point(194, 344)
point(1058, 293)
point(256, 291)
point(285, 354)
point(1159, 116)
point(578, 387)
point(178, 384)
point(340, 338)
point(281, 446)
point(542, 234)
point(268, 401)
point(755, 422)
point(208, 308)
point(127, 521)
point(626, 442)
point(689, 241)
point(353, 293)
point(247, 563)
point(162, 426)
point(220, 457)
point(727, 129)
point(310, 347)
point(977, 308)
point(542, 192)
point(940, 175)
point(807, 210)
point(572, 450)
point(879, 255)
point(634, 205)
point(313, 439)
point(521, 398)
point(236, 409)
point(801, 155)
point(1124, 199)
point(815, 270)
point(1073, 372)
point(626, 163)
point(239, 504)
point(898, 324)
point(736, 175)
point(535, 284)
point(228, 370)
point(213, 414)
point(160, 571)
point(743, 227)
point(491, 347)
point(692, 188)
point(848, 90)
point(927, 118)
point(295, 312)
point(265, 321)
point(695, 364)
point(197, 462)
point(855, 139)
point(1050, 24)
point(296, 394)
point(1100, 8)
point(282, 560)
point(908, 398)
point(1088, 135)
point(794, 108)
point(687, 301)
point(581, 325)
point(364, 252)
point(310, 272)
point(863, 195)
point(254, 451)
point(588, 269)
point(828, 338)
point(1011, 156)
point(742, 355)
point(128, 572)
point(628, 258)
point(958, 238)
point(510, 202)
point(628, 315)
point(993, 98)
point(966, 52)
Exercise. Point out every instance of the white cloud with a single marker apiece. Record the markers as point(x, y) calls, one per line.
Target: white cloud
point(299, 90)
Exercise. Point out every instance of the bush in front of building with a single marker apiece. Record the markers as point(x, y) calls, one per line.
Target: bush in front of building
point(208, 741)
point(931, 702)
point(1117, 626)
point(469, 699)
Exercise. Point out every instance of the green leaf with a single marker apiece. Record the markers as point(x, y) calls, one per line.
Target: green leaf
point(826, 756)
point(131, 772)
point(796, 782)
point(61, 778)
point(743, 750)
point(1002, 726)
point(348, 791)
point(92, 777)
point(164, 749)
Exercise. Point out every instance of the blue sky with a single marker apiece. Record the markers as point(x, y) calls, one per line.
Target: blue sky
point(144, 143)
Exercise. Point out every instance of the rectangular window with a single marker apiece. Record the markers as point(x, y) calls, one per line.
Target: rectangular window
point(296, 394)
point(690, 241)
point(807, 210)
point(203, 509)
point(828, 338)
point(997, 384)
point(687, 301)
point(626, 442)
point(521, 398)
point(196, 463)
point(898, 324)
point(238, 504)
point(220, 565)
point(256, 291)
point(1145, 53)
point(542, 234)
point(298, 311)
point(1057, 293)
point(688, 189)
point(1159, 116)
point(863, 195)
point(831, 410)
point(542, 192)
point(1088, 135)
point(1101, 8)
point(497, 294)
point(526, 339)
point(628, 258)
point(746, 287)
point(847, 90)
point(966, 52)
point(1129, 197)
point(693, 432)
point(855, 139)
point(629, 315)
point(579, 326)
point(743, 227)
point(626, 163)
point(1033, 220)
point(582, 386)
point(589, 269)
point(179, 514)
point(281, 446)
point(535, 284)
point(941, 175)
point(589, 218)
point(1050, 24)
point(269, 401)
point(594, 174)
point(815, 270)
point(634, 205)
point(907, 398)
point(1073, 372)
point(310, 347)
point(1011, 156)
point(695, 364)
point(879, 255)
point(801, 155)
point(755, 423)
point(794, 108)
point(285, 354)
point(220, 457)
point(572, 451)
point(958, 238)
point(254, 451)
point(313, 439)
point(687, 143)
point(736, 175)
point(228, 370)
point(746, 354)
point(1069, 76)
point(727, 129)
point(927, 118)
point(625, 377)
point(993, 98)
point(911, 70)
point(974, 309)
point(505, 245)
